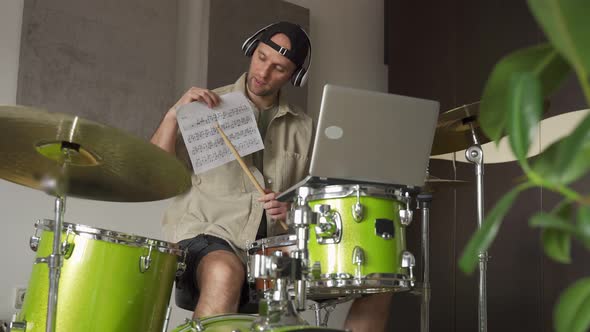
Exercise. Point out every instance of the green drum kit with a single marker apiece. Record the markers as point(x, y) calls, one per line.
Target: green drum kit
point(346, 240)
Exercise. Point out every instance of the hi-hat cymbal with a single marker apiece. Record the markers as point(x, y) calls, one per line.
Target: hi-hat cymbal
point(434, 183)
point(86, 159)
point(456, 129)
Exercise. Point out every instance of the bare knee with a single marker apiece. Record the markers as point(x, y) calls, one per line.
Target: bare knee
point(220, 276)
point(221, 266)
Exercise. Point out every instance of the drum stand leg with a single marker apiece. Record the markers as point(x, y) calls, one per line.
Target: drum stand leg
point(424, 200)
point(54, 262)
point(167, 319)
point(475, 155)
point(278, 309)
point(319, 321)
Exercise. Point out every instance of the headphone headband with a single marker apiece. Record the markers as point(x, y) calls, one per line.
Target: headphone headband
point(299, 76)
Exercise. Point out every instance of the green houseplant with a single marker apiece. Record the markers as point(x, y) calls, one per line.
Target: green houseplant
point(512, 104)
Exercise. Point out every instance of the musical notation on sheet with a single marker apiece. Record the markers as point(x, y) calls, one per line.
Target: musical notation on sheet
point(205, 145)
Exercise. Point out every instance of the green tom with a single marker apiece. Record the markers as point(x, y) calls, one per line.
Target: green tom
point(358, 245)
point(110, 281)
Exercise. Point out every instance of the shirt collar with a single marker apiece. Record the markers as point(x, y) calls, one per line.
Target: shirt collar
point(284, 108)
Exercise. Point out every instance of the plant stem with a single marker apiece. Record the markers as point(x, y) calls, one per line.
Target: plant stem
point(559, 188)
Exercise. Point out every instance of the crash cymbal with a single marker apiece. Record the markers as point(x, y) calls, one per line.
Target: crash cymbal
point(84, 158)
point(553, 128)
point(456, 129)
point(434, 183)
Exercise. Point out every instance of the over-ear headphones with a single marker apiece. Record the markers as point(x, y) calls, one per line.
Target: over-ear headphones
point(299, 77)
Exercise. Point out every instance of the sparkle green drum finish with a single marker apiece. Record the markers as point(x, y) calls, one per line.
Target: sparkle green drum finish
point(240, 323)
point(102, 287)
point(334, 269)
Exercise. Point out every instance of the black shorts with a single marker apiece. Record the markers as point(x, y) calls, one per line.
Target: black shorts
point(187, 290)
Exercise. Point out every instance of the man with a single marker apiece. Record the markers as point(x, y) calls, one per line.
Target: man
point(369, 313)
point(223, 212)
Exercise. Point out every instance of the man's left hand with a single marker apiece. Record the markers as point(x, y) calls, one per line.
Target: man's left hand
point(275, 209)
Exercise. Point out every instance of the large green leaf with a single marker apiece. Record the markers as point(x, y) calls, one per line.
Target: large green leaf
point(557, 245)
point(573, 144)
point(525, 109)
point(543, 61)
point(572, 312)
point(565, 22)
point(484, 236)
point(547, 165)
point(556, 235)
point(584, 225)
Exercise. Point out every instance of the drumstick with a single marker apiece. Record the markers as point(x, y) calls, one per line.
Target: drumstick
point(244, 167)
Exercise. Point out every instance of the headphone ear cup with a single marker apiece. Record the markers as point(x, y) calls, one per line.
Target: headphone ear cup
point(299, 77)
point(249, 47)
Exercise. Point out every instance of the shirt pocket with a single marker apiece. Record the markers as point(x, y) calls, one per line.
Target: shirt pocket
point(222, 180)
point(293, 167)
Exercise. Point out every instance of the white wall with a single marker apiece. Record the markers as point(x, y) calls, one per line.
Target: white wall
point(347, 50)
point(347, 45)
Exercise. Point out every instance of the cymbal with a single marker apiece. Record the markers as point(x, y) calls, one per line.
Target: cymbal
point(434, 183)
point(456, 128)
point(84, 159)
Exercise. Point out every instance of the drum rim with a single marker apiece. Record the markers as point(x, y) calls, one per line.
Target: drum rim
point(348, 190)
point(338, 286)
point(287, 239)
point(111, 236)
point(214, 319)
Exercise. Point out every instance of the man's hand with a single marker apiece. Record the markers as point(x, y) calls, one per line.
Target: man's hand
point(275, 209)
point(198, 94)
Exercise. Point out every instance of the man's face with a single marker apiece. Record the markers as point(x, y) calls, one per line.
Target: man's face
point(269, 70)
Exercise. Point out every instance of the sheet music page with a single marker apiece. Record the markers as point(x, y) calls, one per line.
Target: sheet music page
point(205, 145)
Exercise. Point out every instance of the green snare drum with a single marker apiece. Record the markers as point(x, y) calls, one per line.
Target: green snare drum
point(358, 244)
point(240, 323)
point(110, 281)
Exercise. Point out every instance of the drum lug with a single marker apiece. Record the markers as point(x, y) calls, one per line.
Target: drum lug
point(408, 261)
point(145, 261)
point(329, 226)
point(406, 215)
point(66, 247)
point(34, 240)
point(181, 266)
point(358, 259)
point(17, 326)
point(316, 270)
point(358, 212)
point(191, 325)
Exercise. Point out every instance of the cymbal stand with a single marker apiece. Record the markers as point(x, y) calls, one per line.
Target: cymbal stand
point(54, 262)
point(474, 154)
point(57, 185)
point(424, 201)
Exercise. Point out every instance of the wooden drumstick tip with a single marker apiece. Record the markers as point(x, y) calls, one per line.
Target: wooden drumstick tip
point(284, 225)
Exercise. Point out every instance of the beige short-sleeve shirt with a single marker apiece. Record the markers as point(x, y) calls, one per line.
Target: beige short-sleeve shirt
point(222, 201)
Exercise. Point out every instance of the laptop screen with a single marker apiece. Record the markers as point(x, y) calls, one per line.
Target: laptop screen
point(375, 137)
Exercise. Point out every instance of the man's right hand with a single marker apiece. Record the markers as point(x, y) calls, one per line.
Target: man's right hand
point(198, 94)
point(165, 135)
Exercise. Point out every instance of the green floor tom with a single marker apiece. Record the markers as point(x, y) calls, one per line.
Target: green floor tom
point(110, 281)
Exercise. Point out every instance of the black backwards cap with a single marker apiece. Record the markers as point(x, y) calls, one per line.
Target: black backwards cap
point(299, 41)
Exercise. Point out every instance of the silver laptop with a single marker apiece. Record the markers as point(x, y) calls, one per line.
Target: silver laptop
point(371, 137)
